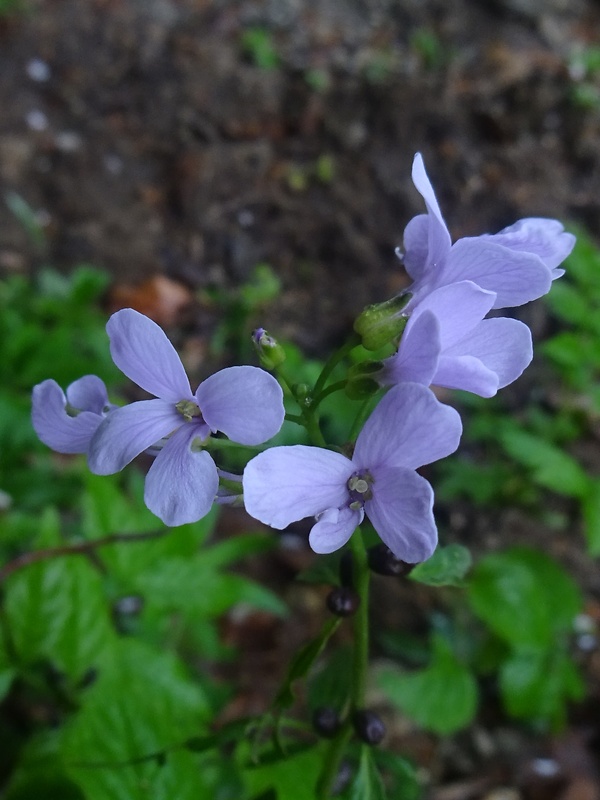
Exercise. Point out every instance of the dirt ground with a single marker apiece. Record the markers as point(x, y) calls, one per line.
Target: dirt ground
point(158, 137)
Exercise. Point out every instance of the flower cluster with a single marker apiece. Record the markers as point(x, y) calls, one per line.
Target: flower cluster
point(444, 337)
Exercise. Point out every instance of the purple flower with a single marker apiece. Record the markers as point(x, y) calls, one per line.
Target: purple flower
point(447, 342)
point(244, 403)
point(518, 264)
point(407, 429)
point(67, 421)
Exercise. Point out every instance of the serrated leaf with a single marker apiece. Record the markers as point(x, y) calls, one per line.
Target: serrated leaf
point(537, 684)
point(524, 596)
point(124, 743)
point(551, 467)
point(446, 567)
point(441, 698)
point(56, 610)
point(367, 785)
point(293, 777)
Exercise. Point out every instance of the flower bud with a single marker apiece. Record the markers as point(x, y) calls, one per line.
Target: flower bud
point(270, 353)
point(384, 562)
point(369, 726)
point(363, 380)
point(381, 323)
point(342, 601)
point(326, 721)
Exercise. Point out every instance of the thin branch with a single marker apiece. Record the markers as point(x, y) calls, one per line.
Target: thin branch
point(81, 548)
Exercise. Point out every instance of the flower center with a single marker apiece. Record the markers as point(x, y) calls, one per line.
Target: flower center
point(188, 409)
point(359, 489)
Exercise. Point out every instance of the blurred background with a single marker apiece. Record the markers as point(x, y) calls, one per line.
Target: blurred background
point(222, 165)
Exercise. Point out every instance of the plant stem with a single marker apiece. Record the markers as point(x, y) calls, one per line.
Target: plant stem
point(338, 745)
point(332, 362)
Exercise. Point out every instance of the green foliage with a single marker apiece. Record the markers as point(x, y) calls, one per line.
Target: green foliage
point(441, 698)
point(367, 785)
point(529, 602)
point(446, 567)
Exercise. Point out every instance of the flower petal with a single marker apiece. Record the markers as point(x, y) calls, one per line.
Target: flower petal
point(88, 394)
point(415, 243)
point(285, 484)
point(459, 307)
point(54, 426)
point(333, 529)
point(546, 238)
point(401, 511)
point(418, 353)
point(438, 237)
point(408, 428)
point(245, 403)
point(467, 373)
point(126, 432)
point(141, 350)
point(181, 484)
point(516, 277)
point(502, 345)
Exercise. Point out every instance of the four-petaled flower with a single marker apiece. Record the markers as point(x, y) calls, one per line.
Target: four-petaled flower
point(518, 264)
point(408, 428)
point(245, 403)
point(66, 421)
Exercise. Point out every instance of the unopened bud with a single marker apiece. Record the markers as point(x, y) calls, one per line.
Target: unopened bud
point(343, 601)
point(363, 380)
point(369, 726)
point(270, 353)
point(381, 323)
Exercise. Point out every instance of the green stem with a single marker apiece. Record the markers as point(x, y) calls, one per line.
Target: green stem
point(332, 362)
point(338, 745)
point(363, 413)
point(335, 387)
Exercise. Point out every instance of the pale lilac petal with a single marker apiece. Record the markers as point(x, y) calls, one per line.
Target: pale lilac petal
point(54, 426)
point(546, 238)
point(459, 307)
point(401, 512)
point(438, 237)
point(418, 353)
point(516, 277)
point(285, 484)
point(333, 529)
point(467, 373)
point(88, 394)
point(181, 484)
point(415, 243)
point(502, 345)
point(244, 403)
point(126, 432)
point(408, 428)
point(141, 350)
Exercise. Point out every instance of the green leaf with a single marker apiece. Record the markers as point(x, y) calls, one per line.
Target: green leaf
point(551, 467)
point(128, 740)
point(367, 784)
point(524, 596)
point(303, 661)
point(56, 610)
point(446, 567)
point(536, 685)
point(441, 698)
point(293, 777)
point(590, 509)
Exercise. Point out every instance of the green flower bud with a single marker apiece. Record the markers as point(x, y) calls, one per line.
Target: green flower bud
point(270, 353)
point(362, 380)
point(381, 323)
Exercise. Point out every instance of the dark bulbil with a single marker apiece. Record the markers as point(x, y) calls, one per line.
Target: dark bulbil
point(343, 601)
point(384, 562)
point(369, 726)
point(326, 721)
